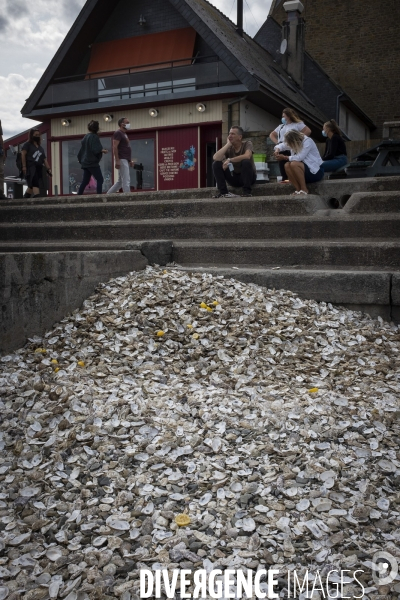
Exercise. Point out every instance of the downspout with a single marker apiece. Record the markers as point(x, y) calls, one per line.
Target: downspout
point(346, 137)
point(338, 106)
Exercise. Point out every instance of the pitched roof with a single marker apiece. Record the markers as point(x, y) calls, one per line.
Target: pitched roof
point(249, 61)
point(318, 85)
point(254, 66)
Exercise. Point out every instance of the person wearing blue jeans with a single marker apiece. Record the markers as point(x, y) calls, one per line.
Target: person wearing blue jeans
point(89, 157)
point(87, 174)
point(335, 156)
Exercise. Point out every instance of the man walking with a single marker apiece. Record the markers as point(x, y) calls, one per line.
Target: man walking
point(123, 159)
point(234, 164)
point(2, 161)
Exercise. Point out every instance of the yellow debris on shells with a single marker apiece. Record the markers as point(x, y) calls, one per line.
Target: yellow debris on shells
point(182, 520)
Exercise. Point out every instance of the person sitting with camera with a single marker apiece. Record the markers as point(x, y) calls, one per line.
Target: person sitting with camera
point(304, 165)
point(234, 164)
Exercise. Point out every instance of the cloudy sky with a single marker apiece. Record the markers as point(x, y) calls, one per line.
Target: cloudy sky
point(31, 32)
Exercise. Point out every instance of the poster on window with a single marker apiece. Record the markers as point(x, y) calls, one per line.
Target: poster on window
point(178, 159)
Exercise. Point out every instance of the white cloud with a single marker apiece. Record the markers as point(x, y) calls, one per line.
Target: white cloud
point(254, 14)
point(15, 88)
point(30, 35)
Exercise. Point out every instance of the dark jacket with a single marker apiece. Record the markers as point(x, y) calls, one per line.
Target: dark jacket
point(335, 146)
point(90, 153)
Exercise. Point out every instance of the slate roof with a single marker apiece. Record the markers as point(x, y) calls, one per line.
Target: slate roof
point(319, 87)
point(253, 65)
point(249, 61)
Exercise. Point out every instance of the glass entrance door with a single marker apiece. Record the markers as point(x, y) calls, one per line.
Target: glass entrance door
point(143, 154)
point(72, 172)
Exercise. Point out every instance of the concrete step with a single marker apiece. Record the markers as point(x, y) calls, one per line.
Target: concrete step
point(373, 202)
point(163, 209)
point(286, 253)
point(137, 208)
point(376, 292)
point(331, 189)
point(385, 226)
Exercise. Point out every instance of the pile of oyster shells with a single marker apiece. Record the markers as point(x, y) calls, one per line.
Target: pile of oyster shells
point(270, 422)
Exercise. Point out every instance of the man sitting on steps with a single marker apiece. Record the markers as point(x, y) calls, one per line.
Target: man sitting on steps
point(234, 164)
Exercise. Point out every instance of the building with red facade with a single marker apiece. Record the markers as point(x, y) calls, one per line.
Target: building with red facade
point(182, 73)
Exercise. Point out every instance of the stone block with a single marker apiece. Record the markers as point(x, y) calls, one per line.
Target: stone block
point(37, 289)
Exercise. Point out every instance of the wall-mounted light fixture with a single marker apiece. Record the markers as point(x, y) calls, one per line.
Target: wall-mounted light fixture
point(108, 118)
point(153, 112)
point(200, 107)
point(65, 122)
point(142, 21)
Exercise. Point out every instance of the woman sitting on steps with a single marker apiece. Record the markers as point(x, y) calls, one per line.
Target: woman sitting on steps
point(304, 165)
point(335, 156)
point(290, 121)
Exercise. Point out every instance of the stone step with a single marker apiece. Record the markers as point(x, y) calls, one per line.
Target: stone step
point(137, 208)
point(368, 290)
point(287, 253)
point(329, 191)
point(163, 209)
point(373, 202)
point(342, 226)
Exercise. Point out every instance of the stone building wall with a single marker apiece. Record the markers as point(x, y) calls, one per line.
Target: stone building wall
point(358, 45)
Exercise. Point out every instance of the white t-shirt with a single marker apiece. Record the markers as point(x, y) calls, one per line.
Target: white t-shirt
point(309, 154)
point(282, 129)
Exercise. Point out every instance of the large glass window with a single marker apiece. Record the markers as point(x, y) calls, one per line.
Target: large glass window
point(143, 155)
point(147, 89)
point(72, 172)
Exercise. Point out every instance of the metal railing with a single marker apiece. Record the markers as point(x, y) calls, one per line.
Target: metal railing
point(136, 82)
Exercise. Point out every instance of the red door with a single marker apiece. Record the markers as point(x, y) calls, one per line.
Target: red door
point(178, 159)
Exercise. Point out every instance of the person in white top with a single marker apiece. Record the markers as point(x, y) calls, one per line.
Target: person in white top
point(304, 165)
point(290, 120)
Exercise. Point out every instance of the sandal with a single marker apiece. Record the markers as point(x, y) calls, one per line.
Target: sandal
point(302, 192)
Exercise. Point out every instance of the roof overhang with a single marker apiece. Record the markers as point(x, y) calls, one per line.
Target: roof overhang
point(350, 104)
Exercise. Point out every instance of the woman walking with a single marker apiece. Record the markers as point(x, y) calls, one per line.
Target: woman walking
point(290, 121)
point(89, 157)
point(335, 156)
point(304, 165)
point(33, 158)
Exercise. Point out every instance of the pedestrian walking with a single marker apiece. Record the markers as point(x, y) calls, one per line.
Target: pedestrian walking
point(89, 157)
point(2, 161)
point(234, 164)
point(290, 121)
point(335, 156)
point(33, 158)
point(123, 157)
point(304, 165)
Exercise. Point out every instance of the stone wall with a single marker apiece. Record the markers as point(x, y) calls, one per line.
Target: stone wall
point(37, 289)
point(358, 44)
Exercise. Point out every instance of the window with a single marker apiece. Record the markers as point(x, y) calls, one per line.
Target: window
point(147, 89)
point(143, 155)
point(72, 172)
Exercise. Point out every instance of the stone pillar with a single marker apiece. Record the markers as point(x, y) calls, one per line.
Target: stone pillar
point(391, 130)
point(293, 33)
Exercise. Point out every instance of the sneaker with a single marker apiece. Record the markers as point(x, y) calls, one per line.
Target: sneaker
point(246, 195)
point(227, 195)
